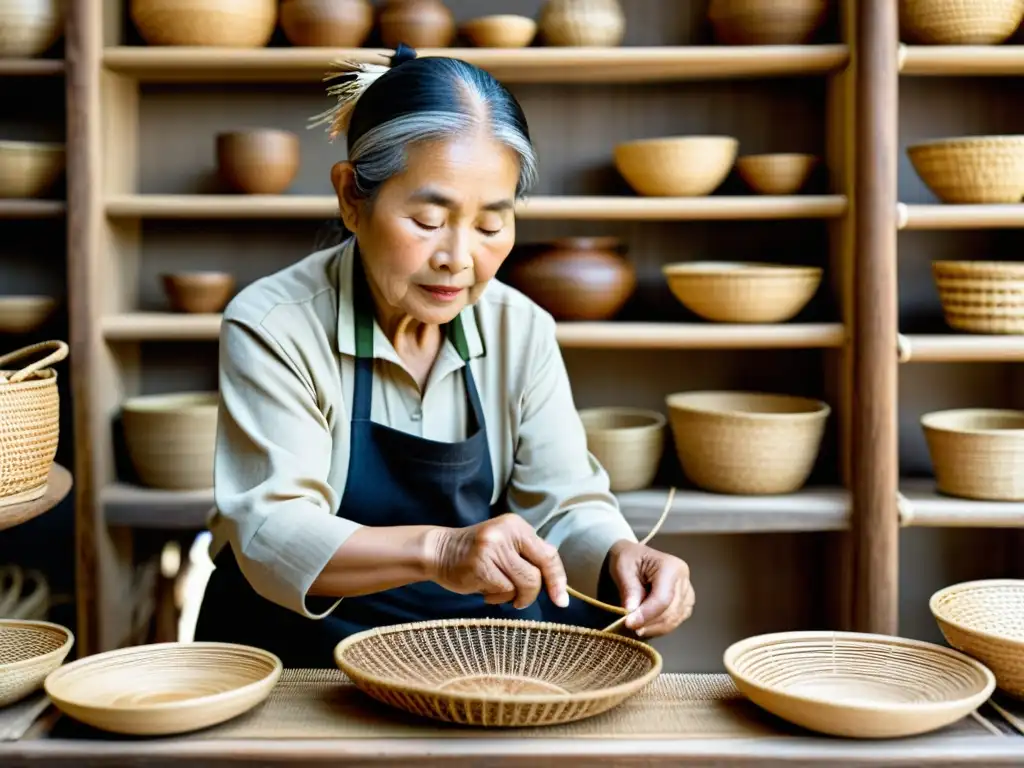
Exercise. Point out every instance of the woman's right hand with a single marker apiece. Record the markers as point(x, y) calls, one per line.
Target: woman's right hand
point(502, 559)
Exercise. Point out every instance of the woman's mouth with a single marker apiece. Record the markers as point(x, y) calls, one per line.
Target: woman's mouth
point(442, 292)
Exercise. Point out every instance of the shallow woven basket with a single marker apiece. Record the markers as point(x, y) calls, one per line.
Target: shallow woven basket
point(676, 166)
point(981, 296)
point(985, 620)
point(29, 651)
point(960, 22)
point(972, 169)
point(29, 169)
point(628, 442)
point(858, 685)
point(748, 443)
point(227, 23)
point(742, 292)
point(29, 422)
point(164, 688)
point(497, 672)
point(977, 453)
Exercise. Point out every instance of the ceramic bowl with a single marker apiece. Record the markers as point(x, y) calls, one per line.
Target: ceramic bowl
point(259, 161)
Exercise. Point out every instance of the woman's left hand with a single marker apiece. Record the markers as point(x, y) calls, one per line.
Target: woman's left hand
point(655, 588)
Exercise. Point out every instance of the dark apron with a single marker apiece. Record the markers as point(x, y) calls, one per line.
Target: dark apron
point(393, 479)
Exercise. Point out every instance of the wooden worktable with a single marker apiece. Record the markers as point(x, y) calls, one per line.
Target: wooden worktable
point(318, 718)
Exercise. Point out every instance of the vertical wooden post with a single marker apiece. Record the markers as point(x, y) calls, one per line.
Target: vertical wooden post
point(875, 450)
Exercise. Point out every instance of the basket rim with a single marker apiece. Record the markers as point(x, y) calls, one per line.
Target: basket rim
point(65, 648)
point(701, 138)
point(537, 698)
point(712, 268)
point(658, 419)
point(823, 409)
point(270, 678)
point(808, 156)
point(963, 141)
point(964, 586)
point(976, 264)
point(927, 421)
point(731, 654)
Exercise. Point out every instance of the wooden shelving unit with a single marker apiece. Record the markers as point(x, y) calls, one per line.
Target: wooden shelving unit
point(137, 214)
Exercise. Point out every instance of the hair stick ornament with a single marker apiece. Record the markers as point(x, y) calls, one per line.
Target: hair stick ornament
point(352, 78)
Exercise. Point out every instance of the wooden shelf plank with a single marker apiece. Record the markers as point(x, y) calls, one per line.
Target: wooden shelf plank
point(961, 216)
point(921, 505)
point(811, 509)
point(960, 348)
point(617, 208)
point(961, 60)
point(58, 486)
point(523, 65)
point(31, 67)
point(31, 209)
point(167, 326)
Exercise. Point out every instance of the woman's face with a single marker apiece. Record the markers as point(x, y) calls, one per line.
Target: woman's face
point(438, 232)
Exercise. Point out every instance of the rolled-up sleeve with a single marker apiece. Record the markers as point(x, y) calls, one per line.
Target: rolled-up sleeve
point(556, 483)
point(272, 461)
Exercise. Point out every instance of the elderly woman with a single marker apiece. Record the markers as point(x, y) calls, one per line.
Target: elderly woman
point(398, 440)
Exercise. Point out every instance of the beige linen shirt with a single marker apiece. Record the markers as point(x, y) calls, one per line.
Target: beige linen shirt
point(287, 367)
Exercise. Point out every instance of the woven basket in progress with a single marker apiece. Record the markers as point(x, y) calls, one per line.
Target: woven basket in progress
point(497, 672)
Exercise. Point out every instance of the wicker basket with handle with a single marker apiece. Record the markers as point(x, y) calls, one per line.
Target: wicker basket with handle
point(29, 422)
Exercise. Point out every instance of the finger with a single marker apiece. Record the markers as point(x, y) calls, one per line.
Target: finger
point(631, 588)
point(676, 614)
point(495, 586)
point(665, 589)
point(525, 577)
point(545, 557)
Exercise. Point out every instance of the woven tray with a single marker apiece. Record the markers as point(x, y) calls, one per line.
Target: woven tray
point(322, 704)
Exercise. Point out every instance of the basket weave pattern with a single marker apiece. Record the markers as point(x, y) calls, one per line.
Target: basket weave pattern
point(29, 651)
point(983, 169)
point(981, 296)
point(228, 23)
point(496, 672)
point(985, 620)
point(961, 22)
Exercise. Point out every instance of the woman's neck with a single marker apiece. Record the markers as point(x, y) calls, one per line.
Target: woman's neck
point(416, 343)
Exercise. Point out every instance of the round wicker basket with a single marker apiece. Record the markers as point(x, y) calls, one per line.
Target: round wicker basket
point(981, 296)
point(499, 673)
point(955, 22)
point(29, 422)
point(977, 453)
point(972, 169)
point(29, 651)
point(985, 620)
point(628, 443)
point(858, 685)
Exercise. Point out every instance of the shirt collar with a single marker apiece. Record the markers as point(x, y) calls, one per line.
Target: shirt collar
point(382, 347)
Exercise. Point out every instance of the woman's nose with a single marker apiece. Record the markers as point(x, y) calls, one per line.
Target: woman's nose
point(455, 255)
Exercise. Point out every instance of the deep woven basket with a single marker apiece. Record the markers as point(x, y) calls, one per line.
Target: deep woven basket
point(29, 423)
point(985, 620)
point(29, 651)
point(981, 296)
point(499, 673)
point(972, 169)
point(959, 22)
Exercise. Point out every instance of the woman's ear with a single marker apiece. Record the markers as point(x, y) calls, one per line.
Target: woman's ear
point(343, 177)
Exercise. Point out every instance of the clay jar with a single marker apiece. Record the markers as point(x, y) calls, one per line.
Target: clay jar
point(575, 278)
point(327, 23)
point(417, 23)
point(582, 22)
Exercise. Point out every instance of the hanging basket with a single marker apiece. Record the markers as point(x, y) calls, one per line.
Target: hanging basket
point(29, 422)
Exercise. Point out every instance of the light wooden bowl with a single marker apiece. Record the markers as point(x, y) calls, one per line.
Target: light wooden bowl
point(164, 688)
point(586, 23)
point(628, 442)
point(972, 169)
point(954, 22)
point(742, 291)
point(223, 23)
point(981, 296)
point(977, 453)
point(261, 161)
point(500, 31)
point(677, 166)
point(856, 685)
point(497, 673)
point(171, 439)
point(198, 292)
point(985, 620)
point(327, 23)
point(22, 314)
point(779, 173)
point(29, 169)
point(748, 443)
point(766, 22)
point(29, 28)
point(29, 651)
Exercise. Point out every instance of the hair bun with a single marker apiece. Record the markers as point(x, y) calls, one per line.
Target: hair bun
point(403, 53)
